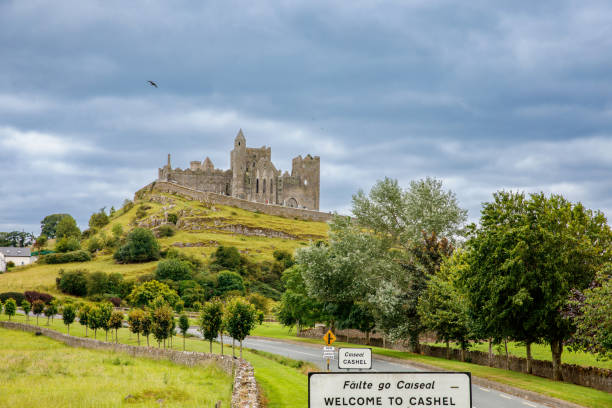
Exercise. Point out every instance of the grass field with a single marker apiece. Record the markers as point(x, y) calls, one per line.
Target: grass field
point(584, 396)
point(40, 372)
point(283, 385)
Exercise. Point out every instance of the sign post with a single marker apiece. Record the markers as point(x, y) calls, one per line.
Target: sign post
point(329, 352)
point(386, 390)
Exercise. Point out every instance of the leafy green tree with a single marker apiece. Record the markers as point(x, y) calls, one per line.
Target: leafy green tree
point(140, 246)
point(297, 308)
point(99, 219)
point(401, 216)
point(143, 294)
point(591, 313)
point(94, 244)
point(94, 319)
point(173, 269)
point(241, 318)
point(115, 322)
point(66, 228)
point(135, 321)
point(40, 242)
point(84, 313)
point(68, 315)
point(184, 326)
point(38, 306)
point(444, 307)
point(162, 318)
point(10, 307)
point(49, 224)
point(50, 310)
point(179, 306)
point(73, 282)
point(525, 257)
point(229, 281)
point(146, 325)
point(27, 307)
point(211, 321)
point(104, 315)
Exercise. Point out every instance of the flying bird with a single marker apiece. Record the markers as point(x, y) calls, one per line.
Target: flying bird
point(152, 83)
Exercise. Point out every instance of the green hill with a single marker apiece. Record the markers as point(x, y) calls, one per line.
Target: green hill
point(200, 229)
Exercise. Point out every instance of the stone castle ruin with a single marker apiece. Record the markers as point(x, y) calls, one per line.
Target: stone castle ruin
point(253, 177)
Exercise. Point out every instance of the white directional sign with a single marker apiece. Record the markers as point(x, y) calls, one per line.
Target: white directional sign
point(329, 352)
point(398, 390)
point(355, 358)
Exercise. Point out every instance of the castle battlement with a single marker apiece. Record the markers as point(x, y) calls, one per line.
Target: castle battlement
point(253, 177)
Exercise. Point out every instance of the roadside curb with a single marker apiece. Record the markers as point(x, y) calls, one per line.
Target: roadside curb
point(508, 389)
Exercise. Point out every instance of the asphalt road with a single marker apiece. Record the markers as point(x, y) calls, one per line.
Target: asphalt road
point(481, 397)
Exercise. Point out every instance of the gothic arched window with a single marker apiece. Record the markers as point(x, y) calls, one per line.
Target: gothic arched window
point(257, 187)
point(264, 186)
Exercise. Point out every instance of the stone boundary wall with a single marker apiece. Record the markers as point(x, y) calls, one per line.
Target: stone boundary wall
point(594, 377)
point(245, 392)
point(220, 199)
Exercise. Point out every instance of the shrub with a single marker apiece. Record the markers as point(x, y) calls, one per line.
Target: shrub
point(19, 297)
point(140, 246)
point(173, 218)
point(226, 258)
point(229, 281)
point(74, 256)
point(94, 245)
point(68, 244)
point(99, 219)
point(73, 283)
point(165, 231)
point(115, 301)
point(141, 212)
point(144, 294)
point(173, 269)
point(32, 296)
point(10, 264)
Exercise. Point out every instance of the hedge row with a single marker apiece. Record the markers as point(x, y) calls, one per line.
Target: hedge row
point(74, 256)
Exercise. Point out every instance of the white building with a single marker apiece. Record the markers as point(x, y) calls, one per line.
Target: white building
point(19, 256)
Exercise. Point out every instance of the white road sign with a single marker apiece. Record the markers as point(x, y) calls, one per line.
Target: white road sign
point(355, 358)
point(329, 352)
point(398, 390)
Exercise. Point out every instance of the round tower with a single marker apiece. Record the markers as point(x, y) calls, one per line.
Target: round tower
point(238, 166)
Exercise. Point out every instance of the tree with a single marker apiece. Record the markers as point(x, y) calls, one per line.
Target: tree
point(50, 310)
point(105, 312)
point(67, 244)
point(297, 308)
point(84, 312)
point(135, 321)
point(591, 313)
point(143, 294)
point(162, 319)
point(211, 321)
point(98, 220)
point(40, 242)
point(173, 269)
point(10, 307)
point(184, 326)
point(226, 258)
point(229, 281)
point(67, 227)
point(146, 325)
point(115, 322)
point(68, 315)
point(401, 216)
point(525, 257)
point(19, 239)
point(179, 306)
point(140, 246)
point(49, 224)
point(38, 306)
point(240, 319)
point(27, 307)
point(444, 308)
point(73, 282)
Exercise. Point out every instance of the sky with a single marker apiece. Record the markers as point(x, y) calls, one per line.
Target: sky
point(481, 95)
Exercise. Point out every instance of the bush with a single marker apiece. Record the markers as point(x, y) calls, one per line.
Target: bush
point(140, 246)
point(99, 219)
point(73, 283)
point(32, 295)
point(68, 244)
point(19, 297)
point(94, 245)
point(173, 218)
point(10, 264)
point(173, 269)
point(115, 301)
point(165, 231)
point(75, 256)
point(226, 258)
point(229, 281)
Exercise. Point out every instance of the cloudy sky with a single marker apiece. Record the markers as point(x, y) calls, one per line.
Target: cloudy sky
point(478, 94)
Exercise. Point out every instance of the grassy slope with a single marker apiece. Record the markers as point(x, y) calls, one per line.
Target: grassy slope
point(283, 386)
point(584, 396)
point(42, 277)
point(37, 371)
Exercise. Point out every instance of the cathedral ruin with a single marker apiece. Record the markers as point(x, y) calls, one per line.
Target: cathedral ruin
point(253, 177)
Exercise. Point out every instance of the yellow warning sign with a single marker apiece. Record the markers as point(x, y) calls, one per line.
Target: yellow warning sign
point(329, 338)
